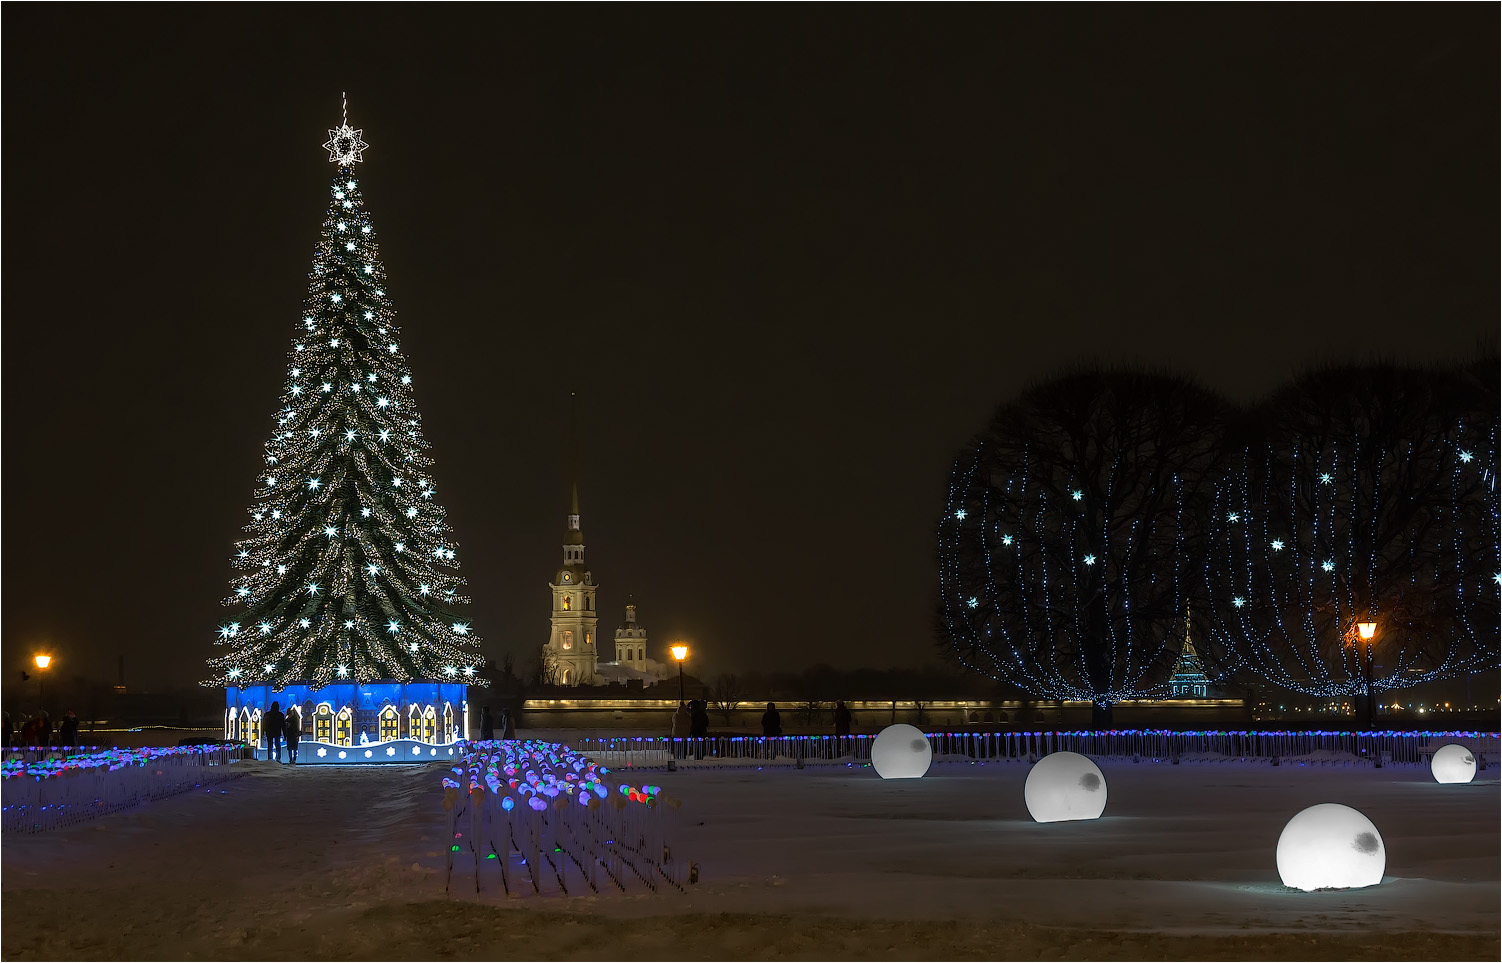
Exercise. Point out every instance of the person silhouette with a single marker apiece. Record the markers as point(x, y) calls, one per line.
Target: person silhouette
point(272, 724)
point(292, 729)
point(771, 721)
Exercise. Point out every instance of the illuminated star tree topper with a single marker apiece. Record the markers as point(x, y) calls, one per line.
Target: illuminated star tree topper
point(345, 144)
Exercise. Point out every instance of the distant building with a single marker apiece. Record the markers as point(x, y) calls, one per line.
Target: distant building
point(570, 651)
point(1189, 680)
point(631, 660)
point(571, 654)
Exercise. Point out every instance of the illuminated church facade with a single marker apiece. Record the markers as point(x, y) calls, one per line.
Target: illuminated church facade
point(573, 644)
point(1188, 680)
point(572, 652)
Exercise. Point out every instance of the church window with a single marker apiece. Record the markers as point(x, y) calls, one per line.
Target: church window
point(567, 638)
point(586, 603)
point(588, 639)
point(568, 603)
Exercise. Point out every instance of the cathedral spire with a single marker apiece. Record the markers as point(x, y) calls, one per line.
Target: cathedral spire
point(1189, 677)
point(573, 536)
point(571, 648)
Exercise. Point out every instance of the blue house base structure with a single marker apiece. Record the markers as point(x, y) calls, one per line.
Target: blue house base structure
point(351, 723)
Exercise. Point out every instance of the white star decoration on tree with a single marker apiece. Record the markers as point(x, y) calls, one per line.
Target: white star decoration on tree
point(345, 145)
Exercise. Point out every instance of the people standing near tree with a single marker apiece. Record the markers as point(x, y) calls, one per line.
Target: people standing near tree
point(272, 724)
point(682, 722)
point(293, 729)
point(44, 729)
point(841, 723)
point(68, 731)
point(508, 725)
point(487, 725)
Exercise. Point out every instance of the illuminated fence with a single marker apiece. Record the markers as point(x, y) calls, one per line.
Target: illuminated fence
point(542, 818)
point(1145, 745)
point(41, 790)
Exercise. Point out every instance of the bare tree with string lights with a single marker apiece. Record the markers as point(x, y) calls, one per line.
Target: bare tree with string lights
point(1359, 550)
point(1073, 535)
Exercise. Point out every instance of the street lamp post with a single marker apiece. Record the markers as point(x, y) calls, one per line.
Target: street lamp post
point(680, 652)
point(1366, 631)
point(42, 662)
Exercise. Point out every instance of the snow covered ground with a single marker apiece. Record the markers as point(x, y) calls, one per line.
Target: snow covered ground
point(816, 863)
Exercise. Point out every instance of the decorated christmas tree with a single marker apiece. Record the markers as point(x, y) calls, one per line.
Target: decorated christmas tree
point(348, 573)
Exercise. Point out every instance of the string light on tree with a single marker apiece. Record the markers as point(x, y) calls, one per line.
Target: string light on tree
point(1366, 536)
point(1053, 569)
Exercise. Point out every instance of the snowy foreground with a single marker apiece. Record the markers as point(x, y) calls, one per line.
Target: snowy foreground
point(817, 863)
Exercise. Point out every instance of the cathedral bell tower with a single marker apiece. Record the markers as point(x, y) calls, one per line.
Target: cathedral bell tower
point(572, 649)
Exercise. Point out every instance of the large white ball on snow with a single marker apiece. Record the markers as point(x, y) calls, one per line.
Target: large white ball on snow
point(1330, 846)
point(1065, 785)
point(901, 752)
point(1453, 763)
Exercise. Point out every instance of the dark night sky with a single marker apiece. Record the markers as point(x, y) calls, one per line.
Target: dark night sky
point(791, 258)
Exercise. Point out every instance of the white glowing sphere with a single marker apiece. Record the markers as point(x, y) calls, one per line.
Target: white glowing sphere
point(1063, 786)
point(1453, 763)
point(1330, 846)
point(901, 752)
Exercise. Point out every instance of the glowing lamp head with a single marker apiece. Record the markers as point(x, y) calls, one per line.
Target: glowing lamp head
point(43, 661)
point(1367, 630)
point(1453, 764)
point(680, 652)
point(901, 751)
point(1064, 786)
point(1330, 846)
